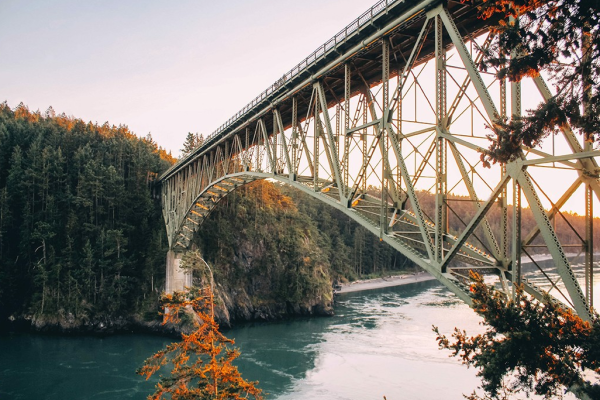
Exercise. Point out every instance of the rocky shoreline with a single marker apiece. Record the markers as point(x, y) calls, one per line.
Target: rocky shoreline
point(232, 308)
point(100, 326)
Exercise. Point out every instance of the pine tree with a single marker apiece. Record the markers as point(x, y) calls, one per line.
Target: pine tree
point(560, 38)
point(192, 141)
point(202, 362)
point(76, 218)
point(528, 347)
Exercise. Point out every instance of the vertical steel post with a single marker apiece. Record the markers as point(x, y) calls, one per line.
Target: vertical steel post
point(236, 153)
point(385, 79)
point(399, 133)
point(515, 110)
point(338, 115)
point(281, 154)
point(364, 143)
point(589, 245)
point(294, 138)
point(589, 200)
point(441, 162)
point(316, 150)
point(515, 97)
point(346, 161)
point(504, 221)
point(226, 159)
point(275, 143)
point(338, 146)
point(247, 149)
point(259, 150)
point(503, 200)
point(516, 237)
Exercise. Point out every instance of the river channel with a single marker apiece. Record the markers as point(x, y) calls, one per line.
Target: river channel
point(379, 343)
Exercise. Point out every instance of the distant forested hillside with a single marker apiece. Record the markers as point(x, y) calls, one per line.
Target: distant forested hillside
point(569, 226)
point(80, 234)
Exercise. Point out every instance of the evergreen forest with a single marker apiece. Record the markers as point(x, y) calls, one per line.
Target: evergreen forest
point(81, 235)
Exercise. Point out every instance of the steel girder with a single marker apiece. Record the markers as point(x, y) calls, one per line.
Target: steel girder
point(370, 134)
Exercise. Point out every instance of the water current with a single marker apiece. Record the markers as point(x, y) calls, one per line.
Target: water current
point(379, 343)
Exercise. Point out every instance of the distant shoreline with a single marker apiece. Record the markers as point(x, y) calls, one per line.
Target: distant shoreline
point(378, 283)
point(399, 280)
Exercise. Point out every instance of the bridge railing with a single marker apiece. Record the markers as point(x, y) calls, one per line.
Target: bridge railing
point(340, 37)
point(364, 19)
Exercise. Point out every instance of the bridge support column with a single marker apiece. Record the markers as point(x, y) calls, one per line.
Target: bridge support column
point(177, 279)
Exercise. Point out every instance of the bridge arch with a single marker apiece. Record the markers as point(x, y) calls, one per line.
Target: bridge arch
point(208, 199)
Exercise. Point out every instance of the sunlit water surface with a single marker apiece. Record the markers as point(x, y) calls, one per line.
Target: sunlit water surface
point(379, 343)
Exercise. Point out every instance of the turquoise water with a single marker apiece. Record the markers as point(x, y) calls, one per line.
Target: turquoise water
point(379, 343)
point(51, 367)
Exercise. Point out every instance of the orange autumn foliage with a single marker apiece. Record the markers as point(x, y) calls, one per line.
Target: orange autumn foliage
point(202, 362)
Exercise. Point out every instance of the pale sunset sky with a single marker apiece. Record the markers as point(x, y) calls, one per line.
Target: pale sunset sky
point(159, 67)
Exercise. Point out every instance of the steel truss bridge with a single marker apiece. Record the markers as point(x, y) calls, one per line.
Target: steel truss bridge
point(390, 107)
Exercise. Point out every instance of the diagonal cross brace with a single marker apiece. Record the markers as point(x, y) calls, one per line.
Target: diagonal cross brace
point(554, 247)
point(475, 221)
point(330, 148)
point(459, 44)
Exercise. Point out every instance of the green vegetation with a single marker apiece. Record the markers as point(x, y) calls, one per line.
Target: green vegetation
point(560, 38)
point(528, 347)
point(281, 245)
point(80, 235)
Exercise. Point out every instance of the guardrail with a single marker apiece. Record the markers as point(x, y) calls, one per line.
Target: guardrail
point(340, 37)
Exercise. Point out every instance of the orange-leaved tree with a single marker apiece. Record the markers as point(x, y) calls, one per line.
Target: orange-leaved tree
point(202, 362)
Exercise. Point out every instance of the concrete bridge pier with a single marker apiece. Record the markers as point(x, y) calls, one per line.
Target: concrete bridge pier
point(177, 279)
